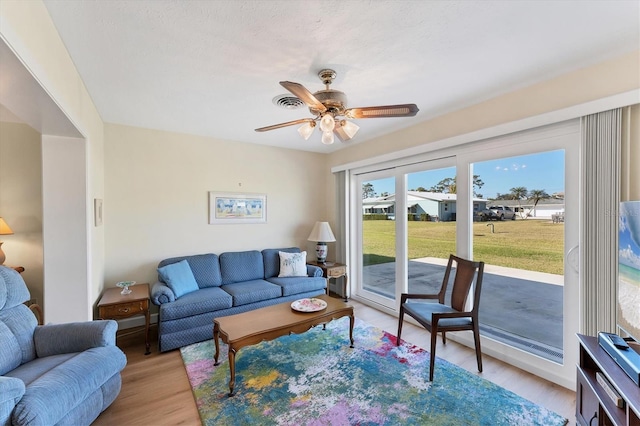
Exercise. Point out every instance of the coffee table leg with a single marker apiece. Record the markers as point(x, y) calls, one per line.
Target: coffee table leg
point(216, 334)
point(352, 320)
point(232, 370)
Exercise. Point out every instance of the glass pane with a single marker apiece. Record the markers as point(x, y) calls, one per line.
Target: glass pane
point(519, 234)
point(431, 227)
point(379, 237)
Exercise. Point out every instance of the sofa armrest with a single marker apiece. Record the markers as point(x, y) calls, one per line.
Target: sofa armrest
point(314, 271)
point(54, 339)
point(161, 293)
point(11, 392)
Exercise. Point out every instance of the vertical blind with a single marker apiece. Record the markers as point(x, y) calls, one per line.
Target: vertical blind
point(601, 135)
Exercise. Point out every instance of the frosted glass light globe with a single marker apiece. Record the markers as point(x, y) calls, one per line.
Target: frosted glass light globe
point(327, 123)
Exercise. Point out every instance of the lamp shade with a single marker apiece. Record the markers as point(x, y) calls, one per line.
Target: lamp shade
point(321, 232)
point(5, 230)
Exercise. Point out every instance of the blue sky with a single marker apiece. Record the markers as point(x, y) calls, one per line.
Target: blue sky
point(536, 171)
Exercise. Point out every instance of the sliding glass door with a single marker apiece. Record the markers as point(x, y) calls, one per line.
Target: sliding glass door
point(377, 224)
point(511, 202)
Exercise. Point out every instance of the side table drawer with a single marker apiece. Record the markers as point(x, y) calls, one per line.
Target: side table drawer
point(336, 272)
point(124, 309)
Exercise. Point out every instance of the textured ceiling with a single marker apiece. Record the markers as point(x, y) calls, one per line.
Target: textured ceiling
point(212, 67)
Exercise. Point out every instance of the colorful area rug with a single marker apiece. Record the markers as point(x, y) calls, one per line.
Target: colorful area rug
point(314, 378)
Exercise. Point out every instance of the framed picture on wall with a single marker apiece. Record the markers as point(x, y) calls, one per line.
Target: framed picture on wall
point(227, 208)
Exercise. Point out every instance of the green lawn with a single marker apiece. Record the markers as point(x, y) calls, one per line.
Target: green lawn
point(534, 245)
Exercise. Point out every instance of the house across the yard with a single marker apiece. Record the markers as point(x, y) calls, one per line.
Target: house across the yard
point(545, 209)
point(431, 206)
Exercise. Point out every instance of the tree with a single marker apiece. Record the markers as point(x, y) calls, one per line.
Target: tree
point(519, 193)
point(449, 185)
point(536, 195)
point(368, 191)
point(421, 189)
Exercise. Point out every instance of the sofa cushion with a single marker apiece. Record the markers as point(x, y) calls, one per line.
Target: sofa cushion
point(10, 354)
point(271, 259)
point(253, 291)
point(297, 285)
point(205, 268)
point(179, 278)
point(241, 266)
point(16, 336)
point(293, 264)
point(201, 301)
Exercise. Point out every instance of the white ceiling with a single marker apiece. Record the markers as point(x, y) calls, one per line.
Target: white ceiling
point(212, 67)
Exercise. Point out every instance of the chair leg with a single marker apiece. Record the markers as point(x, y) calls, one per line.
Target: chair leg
point(476, 338)
point(444, 338)
point(400, 319)
point(432, 355)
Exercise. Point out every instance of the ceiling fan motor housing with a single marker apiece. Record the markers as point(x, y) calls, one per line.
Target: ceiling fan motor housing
point(334, 100)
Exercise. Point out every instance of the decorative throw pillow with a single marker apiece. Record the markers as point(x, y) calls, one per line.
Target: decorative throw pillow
point(179, 278)
point(293, 264)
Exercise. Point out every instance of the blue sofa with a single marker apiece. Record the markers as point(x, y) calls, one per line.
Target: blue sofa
point(228, 284)
point(59, 374)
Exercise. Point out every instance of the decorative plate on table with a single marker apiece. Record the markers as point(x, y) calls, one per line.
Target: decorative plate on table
point(308, 305)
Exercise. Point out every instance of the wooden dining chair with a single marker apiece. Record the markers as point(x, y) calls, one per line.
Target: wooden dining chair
point(440, 317)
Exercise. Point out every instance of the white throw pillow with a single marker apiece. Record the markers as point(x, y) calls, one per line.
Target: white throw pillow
point(293, 264)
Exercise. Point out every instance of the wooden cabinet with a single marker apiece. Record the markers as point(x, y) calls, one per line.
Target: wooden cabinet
point(114, 305)
point(333, 270)
point(593, 405)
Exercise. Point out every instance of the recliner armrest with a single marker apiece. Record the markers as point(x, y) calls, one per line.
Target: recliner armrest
point(54, 339)
point(314, 271)
point(161, 293)
point(11, 392)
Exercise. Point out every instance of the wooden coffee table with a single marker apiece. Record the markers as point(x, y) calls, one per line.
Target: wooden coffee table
point(269, 323)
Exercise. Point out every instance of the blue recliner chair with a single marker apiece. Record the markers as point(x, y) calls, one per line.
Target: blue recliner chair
point(60, 374)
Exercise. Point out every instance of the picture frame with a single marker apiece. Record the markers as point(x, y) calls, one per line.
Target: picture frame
point(97, 212)
point(235, 208)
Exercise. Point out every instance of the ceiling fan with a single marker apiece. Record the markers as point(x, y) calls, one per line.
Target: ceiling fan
point(330, 109)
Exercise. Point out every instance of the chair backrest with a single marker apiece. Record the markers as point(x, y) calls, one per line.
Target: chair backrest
point(17, 322)
point(466, 273)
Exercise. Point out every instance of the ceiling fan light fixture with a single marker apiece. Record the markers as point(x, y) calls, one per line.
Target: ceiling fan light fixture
point(349, 128)
point(327, 138)
point(307, 129)
point(327, 123)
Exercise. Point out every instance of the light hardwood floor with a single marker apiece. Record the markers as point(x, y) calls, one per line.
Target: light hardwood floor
point(155, 389)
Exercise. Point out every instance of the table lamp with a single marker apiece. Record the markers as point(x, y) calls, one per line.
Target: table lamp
point(321, 233)
point(5, 230)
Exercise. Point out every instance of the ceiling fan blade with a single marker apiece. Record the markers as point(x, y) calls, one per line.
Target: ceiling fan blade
point(403, 110)
point(341, 134)
point(288, 123)
point(304, 95)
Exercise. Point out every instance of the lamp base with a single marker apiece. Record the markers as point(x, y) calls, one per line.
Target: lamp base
point(2, 256)
point(321, 252)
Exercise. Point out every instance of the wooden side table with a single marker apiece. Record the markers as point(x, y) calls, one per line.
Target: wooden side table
point(113, 305)
point(333, 270)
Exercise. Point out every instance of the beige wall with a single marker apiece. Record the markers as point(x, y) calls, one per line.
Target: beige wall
point(27, 28)
point(630, 156)
point(21, 201)
point(156, 197)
